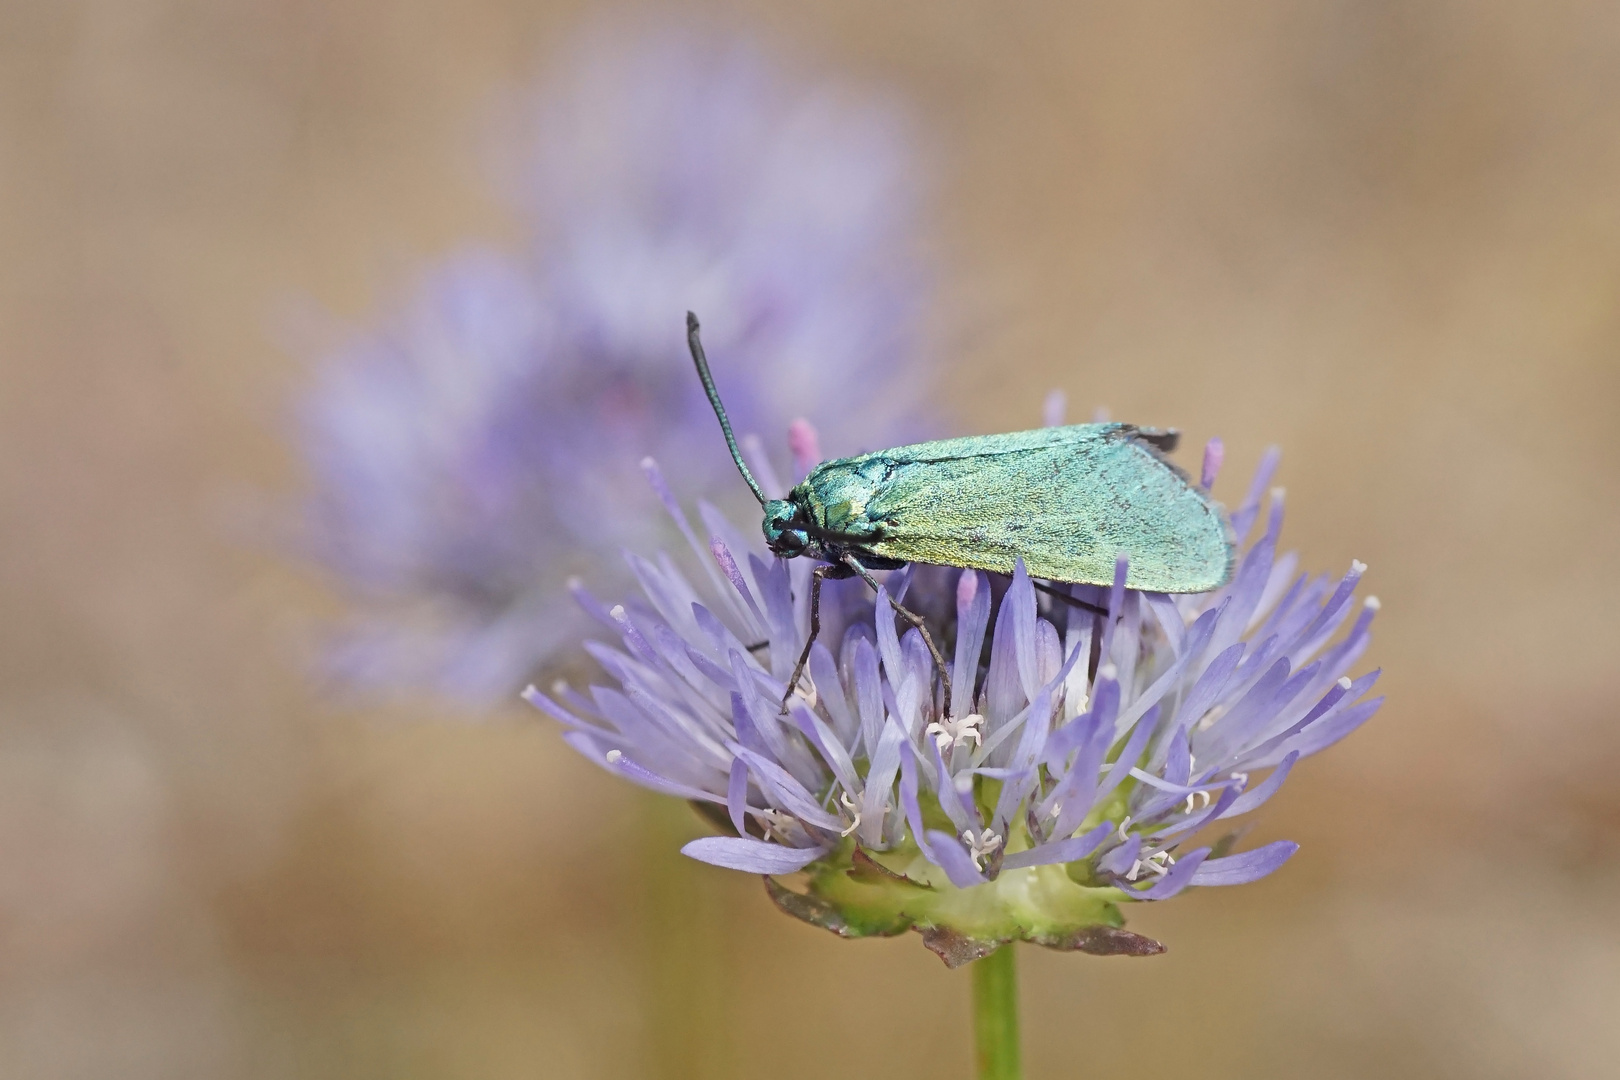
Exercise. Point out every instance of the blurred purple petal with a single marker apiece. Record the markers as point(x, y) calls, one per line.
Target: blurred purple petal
point(1247, 867)
point(750, 855)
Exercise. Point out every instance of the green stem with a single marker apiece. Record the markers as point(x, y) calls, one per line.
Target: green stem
point(683, 945)
point(995, 1015)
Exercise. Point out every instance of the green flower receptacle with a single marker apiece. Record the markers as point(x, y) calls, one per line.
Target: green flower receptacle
point(856, 893)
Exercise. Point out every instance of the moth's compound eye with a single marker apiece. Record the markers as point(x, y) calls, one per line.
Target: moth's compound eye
point(789, 542)
point(782, 528)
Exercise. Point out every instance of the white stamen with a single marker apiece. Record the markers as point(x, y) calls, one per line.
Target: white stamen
point(981, 847)
point(1241, 778)
point(1123, 826)
point(949, 734)
point(560, 687)
point(1357, 566)
point(1159, 863)
point(849, 804)
point(617, 612)
point(1278, 494)
point(1372, 603)
point(1192, 800)
point(1344, 682)
point(1057, 810)
point(775, 823)
point(806, 690)
point(613, 756)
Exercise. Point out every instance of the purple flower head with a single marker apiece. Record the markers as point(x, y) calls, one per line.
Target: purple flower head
point(483, 442)
point(1085, 756)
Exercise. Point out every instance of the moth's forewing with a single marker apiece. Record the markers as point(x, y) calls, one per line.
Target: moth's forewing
point(1066, 500)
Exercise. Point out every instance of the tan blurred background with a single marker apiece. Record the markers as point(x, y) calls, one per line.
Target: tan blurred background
point(1385, 235)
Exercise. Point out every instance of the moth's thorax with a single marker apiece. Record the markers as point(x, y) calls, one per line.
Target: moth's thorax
point(836, 493)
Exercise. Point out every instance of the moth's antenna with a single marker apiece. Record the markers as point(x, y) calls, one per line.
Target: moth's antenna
point(714, 399)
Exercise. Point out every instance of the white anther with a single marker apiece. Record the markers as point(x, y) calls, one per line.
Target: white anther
point(616, 612)
point(1344, 682)
point(949, 734)
point(1278, 494)
point(1372, 603)
point(1159, 863)
point(806, 690)
point(560, 687)
point(1192, 800)
point(1108, 671)
point(1357, 566)
point(1123, 826)
point(775, 823)
point(981, 847)
point(1057, 810)
point(1241, 778)
point(613, 756)
point(854, 811)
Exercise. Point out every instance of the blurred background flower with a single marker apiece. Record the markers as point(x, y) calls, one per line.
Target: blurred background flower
point(481, 444)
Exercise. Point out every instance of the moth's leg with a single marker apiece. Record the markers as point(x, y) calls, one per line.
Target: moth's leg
point(1058, 594)
point(1094, 659)
point(1098, 617)
point(1164, 440)
point(820, 574)
point(915, 620)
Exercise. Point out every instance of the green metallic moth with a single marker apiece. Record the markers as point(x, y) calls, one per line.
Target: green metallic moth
point(1068, 501)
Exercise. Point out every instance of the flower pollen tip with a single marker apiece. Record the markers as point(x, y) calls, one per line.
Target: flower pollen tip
point(1357, 566)
point(1214, 455)
point(805, 444)
point(1344, 682)
point(1054, 408)
point(949, 734)
point(614, 756)
point(1372, 603)
point(982, 846)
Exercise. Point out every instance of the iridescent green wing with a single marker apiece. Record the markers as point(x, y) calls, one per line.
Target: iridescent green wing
point(1066, 500)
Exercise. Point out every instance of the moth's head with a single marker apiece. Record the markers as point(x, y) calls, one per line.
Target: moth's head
point(784, 529)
